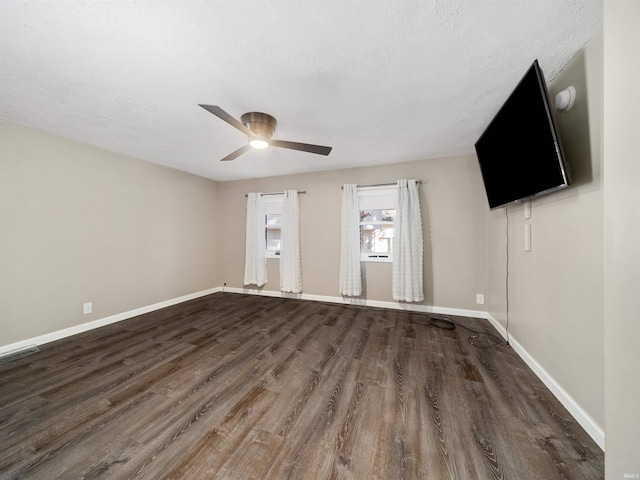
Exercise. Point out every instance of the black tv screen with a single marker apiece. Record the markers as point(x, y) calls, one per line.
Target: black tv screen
point(520, 154)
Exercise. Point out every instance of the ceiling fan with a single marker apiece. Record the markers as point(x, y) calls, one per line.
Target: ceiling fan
point(259, 127)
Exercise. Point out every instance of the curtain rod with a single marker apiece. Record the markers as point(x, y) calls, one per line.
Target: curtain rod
point(274, 193)
point(383, 184)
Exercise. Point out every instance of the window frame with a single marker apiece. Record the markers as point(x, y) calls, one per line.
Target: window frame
point(382, 197)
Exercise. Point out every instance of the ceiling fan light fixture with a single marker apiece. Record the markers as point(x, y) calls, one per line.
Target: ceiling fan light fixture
point(259, 128)
point(258, 143)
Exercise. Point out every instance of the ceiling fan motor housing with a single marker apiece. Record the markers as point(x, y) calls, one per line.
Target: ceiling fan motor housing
point(260, 124)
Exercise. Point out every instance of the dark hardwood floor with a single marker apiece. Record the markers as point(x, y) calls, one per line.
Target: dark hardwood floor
point(234, 386)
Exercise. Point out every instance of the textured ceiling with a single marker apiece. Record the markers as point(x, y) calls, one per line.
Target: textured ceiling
point(379, 81)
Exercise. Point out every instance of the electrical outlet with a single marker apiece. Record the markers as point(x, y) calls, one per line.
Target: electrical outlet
point(87, 308)
point(480, 299)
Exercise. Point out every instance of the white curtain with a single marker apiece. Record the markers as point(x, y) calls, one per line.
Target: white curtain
point(290, 261)
point(350, 275)
point(255, 258)
point(408, 244)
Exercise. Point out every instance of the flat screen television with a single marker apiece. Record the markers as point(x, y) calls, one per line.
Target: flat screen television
point(519, 152)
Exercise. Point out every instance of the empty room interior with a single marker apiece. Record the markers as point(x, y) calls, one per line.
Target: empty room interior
point(371, 296)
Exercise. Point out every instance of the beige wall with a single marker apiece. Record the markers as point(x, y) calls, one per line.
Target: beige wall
point(622, 236)
point(453, 221)
point(79, 224)
point(555, 308)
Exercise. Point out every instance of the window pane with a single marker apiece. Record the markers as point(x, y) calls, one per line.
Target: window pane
point(273, 219)
point(374, 216)
point(376, 238)
point(388, 215)
point(370, 216)
point(272, 222)
point(273, 239)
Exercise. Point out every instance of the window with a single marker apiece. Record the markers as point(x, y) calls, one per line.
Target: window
point(377, 214)
point(376, 232)
point(273, 224)
point(273, 229)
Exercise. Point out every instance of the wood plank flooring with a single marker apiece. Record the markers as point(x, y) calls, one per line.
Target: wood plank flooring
point(243, 387)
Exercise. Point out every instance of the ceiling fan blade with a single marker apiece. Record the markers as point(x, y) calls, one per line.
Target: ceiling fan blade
point(218, 112)
point(303, 147)
point(237, 153)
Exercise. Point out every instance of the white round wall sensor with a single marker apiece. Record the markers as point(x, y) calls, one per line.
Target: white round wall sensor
point(565, 99)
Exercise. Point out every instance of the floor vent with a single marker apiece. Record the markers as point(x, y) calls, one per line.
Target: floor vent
point(16, 354)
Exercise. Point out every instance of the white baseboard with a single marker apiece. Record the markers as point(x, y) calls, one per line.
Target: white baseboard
point(590, 426)
point(362, 302)
point(101, 322)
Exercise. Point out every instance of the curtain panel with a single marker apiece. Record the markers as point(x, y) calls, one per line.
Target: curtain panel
point(255, 258)
point(407, 282)
point(290, 258)
point(350, 273)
